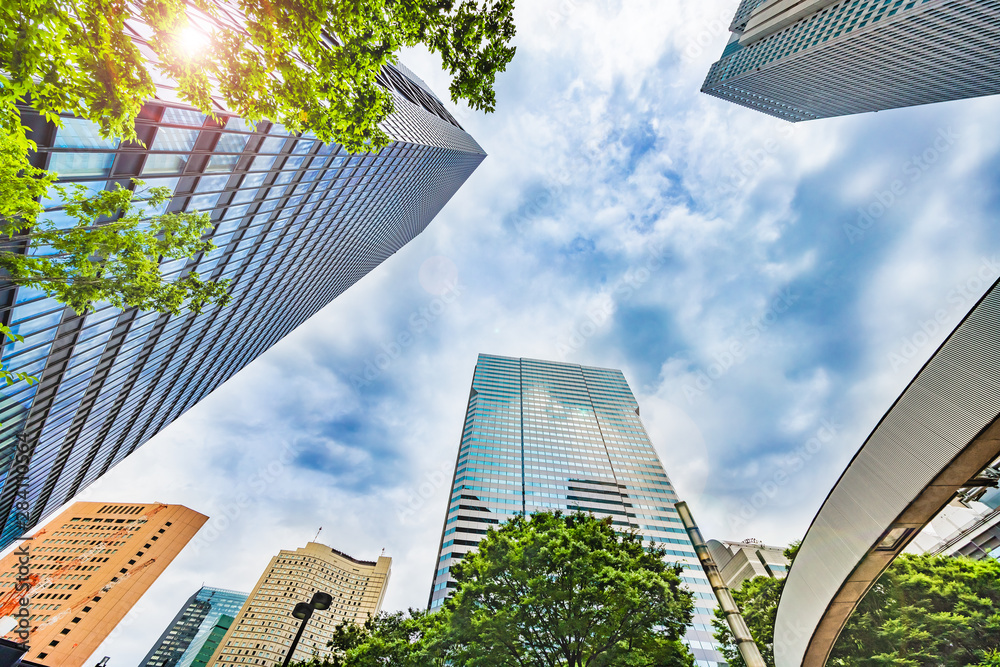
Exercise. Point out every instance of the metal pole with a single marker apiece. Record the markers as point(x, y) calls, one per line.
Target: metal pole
point(744, 640)
point(295, 642)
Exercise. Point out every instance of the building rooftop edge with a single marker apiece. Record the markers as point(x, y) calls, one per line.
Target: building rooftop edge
point(371, 563)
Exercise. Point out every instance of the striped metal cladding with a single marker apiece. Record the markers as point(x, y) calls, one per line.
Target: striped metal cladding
point(940, 432)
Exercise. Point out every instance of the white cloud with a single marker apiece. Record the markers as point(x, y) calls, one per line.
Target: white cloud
point(601, 148)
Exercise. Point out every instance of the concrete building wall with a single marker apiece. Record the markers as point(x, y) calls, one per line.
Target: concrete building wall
point(263, 631)
point(94, 561)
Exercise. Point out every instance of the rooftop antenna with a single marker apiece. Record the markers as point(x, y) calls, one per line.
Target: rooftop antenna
point(317, 533)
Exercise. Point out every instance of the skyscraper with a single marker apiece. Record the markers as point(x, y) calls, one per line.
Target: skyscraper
point(823, 58)
point(544, 436)
point(263, 630)
point(88, 566)
point(296, 223)
point(192, 628)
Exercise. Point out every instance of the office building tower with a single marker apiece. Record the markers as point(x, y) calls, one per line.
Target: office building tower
point(296, 222)
point(87, 567)
point(739, 561)
point(264, 628)
point(545, 436)
point(823, 58)
point(193, 627)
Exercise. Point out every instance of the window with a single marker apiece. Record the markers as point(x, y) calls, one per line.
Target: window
point(80, 133)
point(81, 164)
point(176, 116)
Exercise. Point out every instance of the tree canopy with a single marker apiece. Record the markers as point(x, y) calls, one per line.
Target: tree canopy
point(115, 261)
point(924, 611)
point(308, 64)
point(312, 65)
point(553, 589)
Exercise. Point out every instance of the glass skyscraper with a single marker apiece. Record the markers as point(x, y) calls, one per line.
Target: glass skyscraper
point(297, 222)
point(823, 58)
point(545, 436)
point(185, 638)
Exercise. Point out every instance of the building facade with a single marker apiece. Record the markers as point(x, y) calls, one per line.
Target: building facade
point(545, 436)
point(264, 628)
point(965, 527)
point(87, 567)
point(739, 561)
point(823, 58)
point(192, 629)
point(296, 222)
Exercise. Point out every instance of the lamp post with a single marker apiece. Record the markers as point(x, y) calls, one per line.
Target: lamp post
point(304, 610)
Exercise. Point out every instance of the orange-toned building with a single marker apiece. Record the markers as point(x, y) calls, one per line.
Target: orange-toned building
point(86, 569)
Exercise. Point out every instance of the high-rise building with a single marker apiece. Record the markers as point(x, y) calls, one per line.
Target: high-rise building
point(544, 436)
point(263, 630)
point(739, 561)
point(823, 58)
point(193, 626)
point(87, 567)
point(297, 222)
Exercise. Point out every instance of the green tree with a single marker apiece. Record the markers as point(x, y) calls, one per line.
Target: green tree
point(923, 611)
point(554, 590)
point(113, 259)
point(313, 65)
point(566, 590)
point(309, 64)
point(410, 639)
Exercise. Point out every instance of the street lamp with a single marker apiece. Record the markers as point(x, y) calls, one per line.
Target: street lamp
point(303, 611)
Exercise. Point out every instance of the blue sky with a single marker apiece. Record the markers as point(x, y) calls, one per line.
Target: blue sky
point(714, 254)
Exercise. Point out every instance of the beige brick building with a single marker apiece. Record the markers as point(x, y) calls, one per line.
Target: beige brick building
point(92, 562)
point(264, 629)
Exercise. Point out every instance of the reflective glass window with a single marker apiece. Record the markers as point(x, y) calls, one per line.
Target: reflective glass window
point(272, 145)
point(164, 163)
point(174, 139)
point(175, 116)
point(244, 196)
point(239, 124)
point(81, 133)
point(218, 163)
point(262, 163)
point(202, 202)
point(211, 183)
point(69, 165)
point(253, 180)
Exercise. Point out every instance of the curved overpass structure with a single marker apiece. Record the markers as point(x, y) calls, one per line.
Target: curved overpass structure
point(936, 438)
